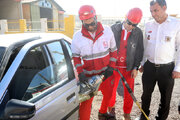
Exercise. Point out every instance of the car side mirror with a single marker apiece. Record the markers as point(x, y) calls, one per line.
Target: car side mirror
point(19, 110)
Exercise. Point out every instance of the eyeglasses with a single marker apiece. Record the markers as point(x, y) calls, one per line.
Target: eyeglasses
point(130, 23)
point(91, 24)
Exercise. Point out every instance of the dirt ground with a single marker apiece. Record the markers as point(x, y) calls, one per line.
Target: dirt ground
point(173, 114)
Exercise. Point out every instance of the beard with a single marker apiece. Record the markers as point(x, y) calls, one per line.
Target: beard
point(92, 29)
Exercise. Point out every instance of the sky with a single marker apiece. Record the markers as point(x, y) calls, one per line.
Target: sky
point(115, 8)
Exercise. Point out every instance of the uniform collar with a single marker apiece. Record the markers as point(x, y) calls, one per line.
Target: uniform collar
point(168, 18)
point(123, 28)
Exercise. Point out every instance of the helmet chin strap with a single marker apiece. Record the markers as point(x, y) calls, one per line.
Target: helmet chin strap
point(95, 19)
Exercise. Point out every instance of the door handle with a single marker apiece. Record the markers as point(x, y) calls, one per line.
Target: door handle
point(71, 98)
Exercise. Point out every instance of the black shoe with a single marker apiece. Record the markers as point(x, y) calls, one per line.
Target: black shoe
point(126, 116)
point(106, 116)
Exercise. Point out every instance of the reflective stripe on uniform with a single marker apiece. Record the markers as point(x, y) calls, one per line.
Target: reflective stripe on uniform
point(96, 55)
point(113, 49)
point(113, 59)
point(94, 71)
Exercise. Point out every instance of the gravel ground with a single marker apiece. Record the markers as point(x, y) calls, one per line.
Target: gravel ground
point(173, 115)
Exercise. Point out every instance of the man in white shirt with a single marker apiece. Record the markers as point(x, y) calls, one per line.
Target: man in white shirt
point(162, 66)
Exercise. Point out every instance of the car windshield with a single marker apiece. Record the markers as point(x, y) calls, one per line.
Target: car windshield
point(2, 51)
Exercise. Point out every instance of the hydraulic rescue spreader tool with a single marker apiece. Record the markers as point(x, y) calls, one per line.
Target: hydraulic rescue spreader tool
point(90, 88)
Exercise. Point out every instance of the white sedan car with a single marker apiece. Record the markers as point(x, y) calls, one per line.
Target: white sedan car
point(37, 79)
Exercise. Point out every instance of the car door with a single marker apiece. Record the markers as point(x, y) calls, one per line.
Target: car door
point(68, 46)
point(63, 102)
point(45, 78)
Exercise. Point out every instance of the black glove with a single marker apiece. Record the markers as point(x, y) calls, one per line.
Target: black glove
point(108, 72)
point(82, 78)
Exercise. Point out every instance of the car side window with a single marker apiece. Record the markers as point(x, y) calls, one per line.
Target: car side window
point(59, 62)
point(42, 68)
point(68, 48)
point(32, 77)
point(73, 71)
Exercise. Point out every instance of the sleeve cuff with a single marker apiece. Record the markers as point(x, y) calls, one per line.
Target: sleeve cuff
point(177, 69)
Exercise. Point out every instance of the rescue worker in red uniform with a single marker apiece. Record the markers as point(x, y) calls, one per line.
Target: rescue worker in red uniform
point(94, 52)
point(129, 41)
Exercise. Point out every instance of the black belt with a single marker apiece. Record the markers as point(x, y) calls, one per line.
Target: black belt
point(160, 65)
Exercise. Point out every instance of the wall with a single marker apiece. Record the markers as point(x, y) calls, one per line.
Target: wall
point(10, 9)
point(26, 12)
point(35, 17)
point(55, 18)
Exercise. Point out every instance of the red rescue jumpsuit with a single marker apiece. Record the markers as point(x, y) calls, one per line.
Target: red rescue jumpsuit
point(121, 66)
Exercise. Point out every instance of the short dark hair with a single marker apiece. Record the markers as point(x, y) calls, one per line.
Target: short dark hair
point(160, 2)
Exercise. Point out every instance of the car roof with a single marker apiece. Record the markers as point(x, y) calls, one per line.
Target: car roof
point(7, 40)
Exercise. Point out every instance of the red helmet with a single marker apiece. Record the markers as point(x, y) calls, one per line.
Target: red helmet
point(134, 15)
point(86, 12)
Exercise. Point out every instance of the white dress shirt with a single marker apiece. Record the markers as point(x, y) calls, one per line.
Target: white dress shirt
point(125, 32)
point(93, 35)
point(162, 42)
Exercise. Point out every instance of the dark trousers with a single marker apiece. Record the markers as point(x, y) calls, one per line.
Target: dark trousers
point(162, 75)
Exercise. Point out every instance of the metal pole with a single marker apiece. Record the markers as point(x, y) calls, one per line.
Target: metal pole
point(21, 10)
point(131, 93)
